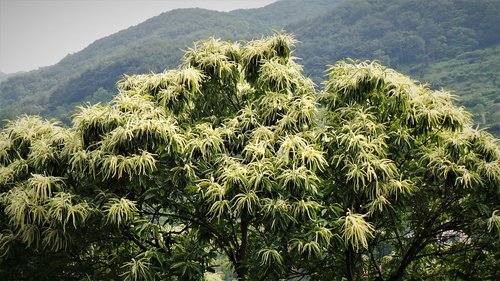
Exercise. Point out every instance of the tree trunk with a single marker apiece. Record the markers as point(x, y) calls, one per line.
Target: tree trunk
point(417, 245)
point(419, 242)
point(241, 272)
point(349, 262)
point(241, 267)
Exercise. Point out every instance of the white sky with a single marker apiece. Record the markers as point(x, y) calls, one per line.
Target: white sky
point(36, 33)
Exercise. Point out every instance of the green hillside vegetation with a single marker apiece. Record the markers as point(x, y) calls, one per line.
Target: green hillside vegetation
point(477, 74)
point(154, 45)
point(3, 76)
point(151, 46)
point(415, 37)
point(400, 32)
point(421, 38)
point(282, 13)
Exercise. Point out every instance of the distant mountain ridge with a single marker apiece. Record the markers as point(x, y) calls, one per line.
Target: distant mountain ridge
point(153, 45)
point(4, 76)
point(416, 37)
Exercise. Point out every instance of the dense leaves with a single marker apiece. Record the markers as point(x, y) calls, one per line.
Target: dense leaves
point(233, 165)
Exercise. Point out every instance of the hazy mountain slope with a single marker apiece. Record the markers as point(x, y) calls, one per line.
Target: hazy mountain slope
point(400, 32)
point(153, 45)
point(430, 40)
point(284, 12)
point(3, 76)
point(475, 78)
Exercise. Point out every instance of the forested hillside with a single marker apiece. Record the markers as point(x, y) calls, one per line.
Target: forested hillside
point(285, 12)
point(427, 39)
point(400, 32)
point(91, 74)
point(4, 76)
point(421, 38)
point(476, 79)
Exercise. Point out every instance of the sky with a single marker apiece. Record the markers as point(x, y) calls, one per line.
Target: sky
point(37, 33)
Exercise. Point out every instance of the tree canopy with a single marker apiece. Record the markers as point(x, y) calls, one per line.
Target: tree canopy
point(234, 165)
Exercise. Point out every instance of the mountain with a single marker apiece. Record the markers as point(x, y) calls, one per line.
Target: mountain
point(3, 76)
point(282, 13)
point(452, 44)
point(401, 32)
point(153, 45)
point(425, 39)
point(475, 77)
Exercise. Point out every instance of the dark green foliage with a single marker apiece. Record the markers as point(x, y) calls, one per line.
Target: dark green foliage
point(416, 37)
point(476, 74)
point(282, 13)
point(408, 31)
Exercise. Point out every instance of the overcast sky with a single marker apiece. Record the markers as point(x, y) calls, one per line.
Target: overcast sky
point(36, 33)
